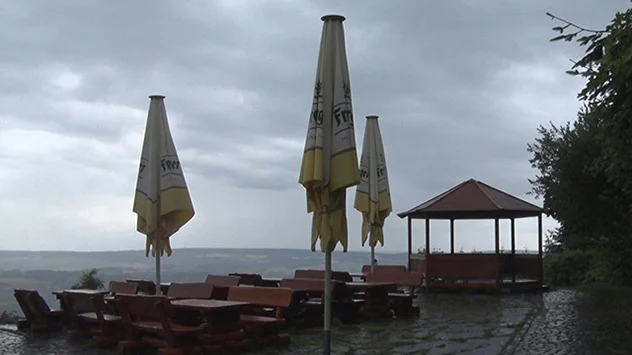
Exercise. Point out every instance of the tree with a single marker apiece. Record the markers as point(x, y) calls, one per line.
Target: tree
point(585, 166)
point(607, 66)
point(89, 281)
point(575, 189)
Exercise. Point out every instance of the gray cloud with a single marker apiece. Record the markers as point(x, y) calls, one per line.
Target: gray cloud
point(460, 87)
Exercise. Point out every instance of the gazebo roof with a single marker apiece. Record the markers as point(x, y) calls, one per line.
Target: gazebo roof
point(473, 199)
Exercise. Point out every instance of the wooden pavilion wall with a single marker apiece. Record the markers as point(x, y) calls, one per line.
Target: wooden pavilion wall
point(463, 266)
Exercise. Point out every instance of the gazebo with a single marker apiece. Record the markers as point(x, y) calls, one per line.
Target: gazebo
point(474, 200)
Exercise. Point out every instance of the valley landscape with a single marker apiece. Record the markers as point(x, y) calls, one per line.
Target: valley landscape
point(49, 271)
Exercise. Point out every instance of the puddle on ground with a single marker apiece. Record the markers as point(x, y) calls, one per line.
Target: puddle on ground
point(571, 322)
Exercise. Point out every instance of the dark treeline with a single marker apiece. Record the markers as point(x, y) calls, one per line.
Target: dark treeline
point(585, 166)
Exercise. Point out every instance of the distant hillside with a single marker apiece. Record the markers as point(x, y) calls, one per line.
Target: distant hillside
point(182, 259)
point(50, 271)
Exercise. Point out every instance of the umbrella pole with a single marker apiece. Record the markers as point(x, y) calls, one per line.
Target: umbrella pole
point(372, 259)
point(327, 306)
point(157, 266)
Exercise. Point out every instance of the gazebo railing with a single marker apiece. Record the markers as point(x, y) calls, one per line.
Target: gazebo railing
point(525, 266)
point(463, 266)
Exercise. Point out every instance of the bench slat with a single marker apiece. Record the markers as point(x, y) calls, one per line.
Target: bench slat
point(247, 318)
point(262, 296)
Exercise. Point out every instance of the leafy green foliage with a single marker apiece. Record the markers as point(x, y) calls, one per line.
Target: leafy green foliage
point(585, 166)
point(89, 281)
point(566, 268)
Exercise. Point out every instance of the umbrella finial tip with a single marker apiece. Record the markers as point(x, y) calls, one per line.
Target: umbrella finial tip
point(333, 18)
point(159, 97)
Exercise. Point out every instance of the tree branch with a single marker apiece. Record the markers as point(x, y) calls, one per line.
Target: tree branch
point(589, 69)
point(568, 23)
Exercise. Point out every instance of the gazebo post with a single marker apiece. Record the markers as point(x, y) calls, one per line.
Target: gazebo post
point(540, 246)
point(497, 237)
point(513, 248)
point(427, 237)
point(497, 234)
point(451, 235)
point(427, 257)
point(410, 242)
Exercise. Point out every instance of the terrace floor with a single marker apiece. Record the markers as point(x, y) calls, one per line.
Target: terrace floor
point(557, 322)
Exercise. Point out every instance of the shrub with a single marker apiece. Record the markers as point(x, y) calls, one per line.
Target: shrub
point(89, 281)
point(568, 267)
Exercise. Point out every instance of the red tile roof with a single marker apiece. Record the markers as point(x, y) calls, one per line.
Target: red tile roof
point(473, 199)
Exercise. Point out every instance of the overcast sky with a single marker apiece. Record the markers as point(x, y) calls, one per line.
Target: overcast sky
point(460, 88)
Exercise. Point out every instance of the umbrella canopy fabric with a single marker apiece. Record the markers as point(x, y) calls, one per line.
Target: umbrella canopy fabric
point(373, 196)
point(162, 201)
point(330, 161)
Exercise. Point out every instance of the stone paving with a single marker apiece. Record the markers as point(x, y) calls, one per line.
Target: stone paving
point(578, 322)
point(558, 322)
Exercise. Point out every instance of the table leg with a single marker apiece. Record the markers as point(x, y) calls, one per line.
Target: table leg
point(224, 332)
point(376, 302)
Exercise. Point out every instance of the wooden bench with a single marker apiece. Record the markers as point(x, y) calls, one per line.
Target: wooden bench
point(115, 287)
point(248, 279)
point(342, 276)
point(344, 306)
point(263, 329)
point(316, 288)
point(148, 321)
point(199, 290)
point(223, 280)
point(89, 317)
point(222, 283)
point(39, 316)
point(402, 301)
point(463, 270)
point(76, 304)
point(144, 286)
point(386, 268)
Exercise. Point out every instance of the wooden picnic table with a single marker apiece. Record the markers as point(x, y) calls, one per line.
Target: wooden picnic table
point(223, 322)
point(358, 275)
point(363, 285)
point(375, 296)
point(87, 291)
point(62, 303)
point(164, 287)
point(220, 315)
point(278, 279)
point(271, 281)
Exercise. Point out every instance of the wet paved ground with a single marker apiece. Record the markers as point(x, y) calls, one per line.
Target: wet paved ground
point(573, 322)
point(559, 322)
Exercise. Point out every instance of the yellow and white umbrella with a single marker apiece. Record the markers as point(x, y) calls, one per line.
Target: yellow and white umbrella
point(330, 160)
point(373, 196)
point(162, 201)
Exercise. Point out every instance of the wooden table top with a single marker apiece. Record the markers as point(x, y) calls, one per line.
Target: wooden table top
point(277, 279)
point(357, 274)
point(371, 284)
point(87, 291)
point(207, 305)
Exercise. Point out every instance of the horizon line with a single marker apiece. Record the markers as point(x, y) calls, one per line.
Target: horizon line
point(185, 248)
point(223, 248)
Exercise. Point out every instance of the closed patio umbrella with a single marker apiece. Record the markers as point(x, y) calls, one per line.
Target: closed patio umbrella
point(373, 196)
point(330, 161)
point(162, 201)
